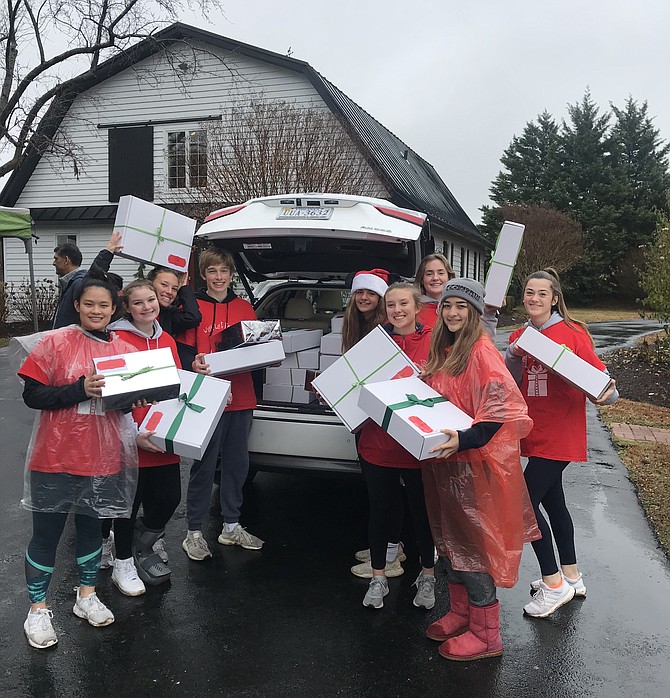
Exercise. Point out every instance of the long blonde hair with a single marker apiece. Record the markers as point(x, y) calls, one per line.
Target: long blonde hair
point(455, 361)
point(355, 326)
point(418, 279)
point(551, 275)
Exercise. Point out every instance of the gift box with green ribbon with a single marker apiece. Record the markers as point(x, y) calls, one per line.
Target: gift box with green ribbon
point(412, 413)
point(143, 375)
point(153, 234)
point(375, 358)
point(184, 426)
point(559, 359)
point(502, 263)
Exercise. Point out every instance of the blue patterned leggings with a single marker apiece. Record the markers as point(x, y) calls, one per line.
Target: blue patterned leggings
point(41, 552)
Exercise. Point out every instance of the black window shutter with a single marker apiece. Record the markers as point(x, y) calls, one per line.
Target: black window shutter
point(131, 162)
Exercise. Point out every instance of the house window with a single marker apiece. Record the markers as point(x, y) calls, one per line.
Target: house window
point(64, 239)
point(187, 159)
point(463, 270)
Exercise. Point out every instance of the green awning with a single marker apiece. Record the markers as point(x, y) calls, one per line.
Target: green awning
point(14, 223)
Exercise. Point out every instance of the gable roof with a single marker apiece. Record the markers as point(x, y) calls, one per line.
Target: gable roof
point(414, 182)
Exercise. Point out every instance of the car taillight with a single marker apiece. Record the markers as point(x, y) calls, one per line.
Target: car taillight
point(402, 215)
point(224, 212)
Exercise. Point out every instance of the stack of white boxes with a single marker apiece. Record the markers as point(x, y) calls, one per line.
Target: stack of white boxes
point(331, 344)
point(287, 382)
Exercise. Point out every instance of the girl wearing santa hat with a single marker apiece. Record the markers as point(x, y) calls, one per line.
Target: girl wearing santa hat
point(365, 310)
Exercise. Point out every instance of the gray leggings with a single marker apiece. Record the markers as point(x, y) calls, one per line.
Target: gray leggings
point(479, 585)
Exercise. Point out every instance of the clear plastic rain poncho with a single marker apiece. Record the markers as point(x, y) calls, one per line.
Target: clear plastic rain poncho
point(477, 501)
point(80, 458)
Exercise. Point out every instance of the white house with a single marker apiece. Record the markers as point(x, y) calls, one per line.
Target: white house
point(139, 120)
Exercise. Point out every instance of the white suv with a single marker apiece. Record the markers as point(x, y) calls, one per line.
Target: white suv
point(299, 250)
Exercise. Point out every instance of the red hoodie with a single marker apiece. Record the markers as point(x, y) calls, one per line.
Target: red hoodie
point(161, 340)
point(375, 445)
point(216, 317)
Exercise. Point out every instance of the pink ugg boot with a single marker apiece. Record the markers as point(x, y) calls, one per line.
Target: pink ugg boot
point(456, 621)
point(482, 639)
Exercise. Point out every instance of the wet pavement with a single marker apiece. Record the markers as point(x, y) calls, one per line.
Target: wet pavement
point(288, 620)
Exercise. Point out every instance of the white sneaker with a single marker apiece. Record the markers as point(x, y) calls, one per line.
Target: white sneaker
point(107, 557)
point(240, 536)
point(425, 591)
point(392, 569)
point(364, 555)
point(126, 579)
point(577, 584)
point(195, 546)
point(547, 600)
point(93, 610)
point(159, 548)
point(376, 592)
point(39, 630)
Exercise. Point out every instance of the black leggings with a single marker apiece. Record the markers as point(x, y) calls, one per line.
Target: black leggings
point(159, 494)
point(544, 479)
point(386, 508)
point(41, 552)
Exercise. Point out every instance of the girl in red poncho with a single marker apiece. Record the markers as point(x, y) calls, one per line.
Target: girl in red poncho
point(477, 502)
point(559, 436)
point(159, 482)
point(81, 460)
point(384, 462)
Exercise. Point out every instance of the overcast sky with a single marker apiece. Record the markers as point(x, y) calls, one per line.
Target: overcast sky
point(456, 80)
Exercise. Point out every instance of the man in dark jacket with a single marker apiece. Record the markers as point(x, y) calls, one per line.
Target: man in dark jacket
point(67, 262)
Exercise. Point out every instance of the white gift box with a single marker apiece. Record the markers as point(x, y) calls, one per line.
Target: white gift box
point(337, 323)
point(308, 358)
point(153, 234)
point(502, 264)
point(412, 413)
point(247, 332)
point(286, 376)
point(298, 340)
point(184, 426)
point(248, 358)
point(375, 358)
point(560, 360)
point(142, 375)
point(331, 344)
point(326, 360)
point(288, 393)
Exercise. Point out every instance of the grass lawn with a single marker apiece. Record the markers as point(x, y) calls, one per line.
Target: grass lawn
point(648, 462)
point(4, 341)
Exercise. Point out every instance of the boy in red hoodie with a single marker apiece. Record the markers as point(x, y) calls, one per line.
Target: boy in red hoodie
point(220, 308)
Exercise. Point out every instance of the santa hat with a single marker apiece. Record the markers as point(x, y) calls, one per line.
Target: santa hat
point(374, 280)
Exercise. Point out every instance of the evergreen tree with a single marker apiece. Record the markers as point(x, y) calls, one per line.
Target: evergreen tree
point(533, 166)
point(642, 154)
point(594, 186)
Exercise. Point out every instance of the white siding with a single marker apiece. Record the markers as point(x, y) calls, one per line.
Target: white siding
point(151, 91)
point(90, 240)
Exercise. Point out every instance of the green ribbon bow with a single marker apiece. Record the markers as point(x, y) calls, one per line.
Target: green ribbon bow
point(564, 348)
point(158, 234)
point(361, 381)
point(179, 418)
point(412, 401)
point(132, 374)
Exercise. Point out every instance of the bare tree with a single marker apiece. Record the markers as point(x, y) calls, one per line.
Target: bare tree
point(551, 239)
point(271, 147)
point(50, 47)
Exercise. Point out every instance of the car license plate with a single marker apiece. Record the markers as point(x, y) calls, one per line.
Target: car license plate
point(317, 213)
